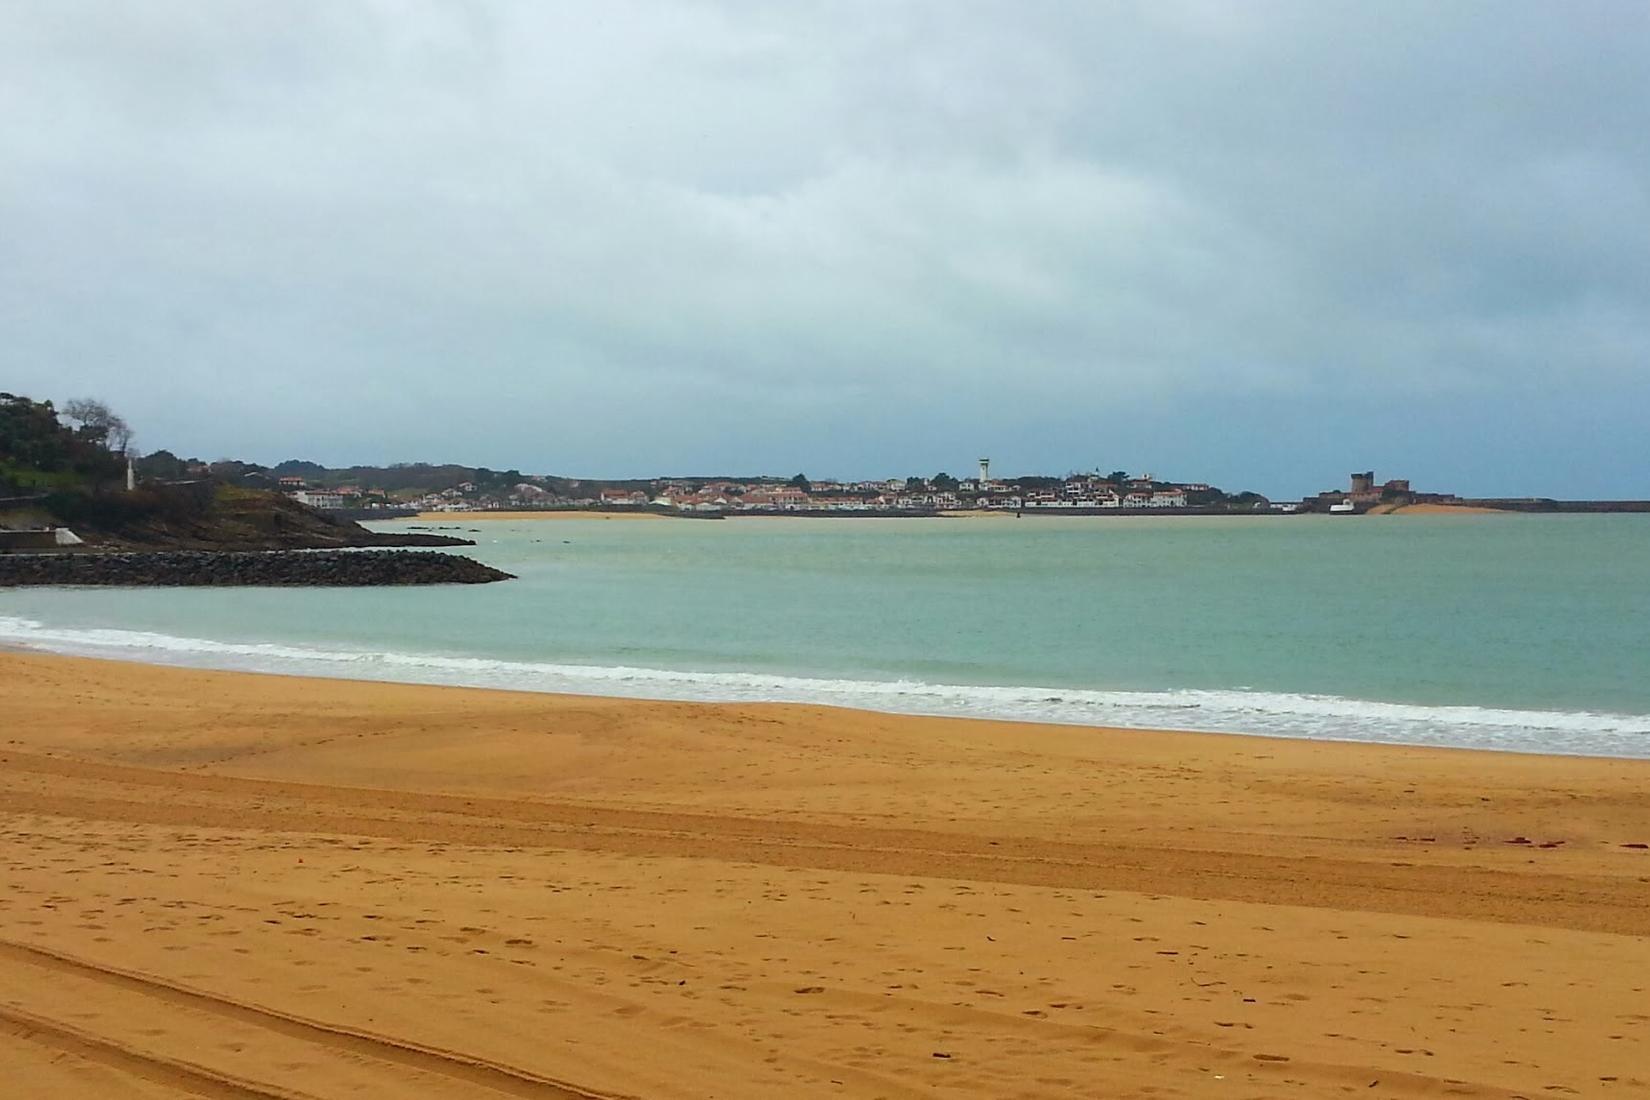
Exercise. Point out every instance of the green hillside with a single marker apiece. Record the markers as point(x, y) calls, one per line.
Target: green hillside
point(69, 468)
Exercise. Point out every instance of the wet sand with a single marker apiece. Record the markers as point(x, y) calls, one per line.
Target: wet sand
point(230, 885)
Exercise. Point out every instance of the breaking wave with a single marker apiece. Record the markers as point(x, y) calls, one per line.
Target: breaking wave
point(1235, 711)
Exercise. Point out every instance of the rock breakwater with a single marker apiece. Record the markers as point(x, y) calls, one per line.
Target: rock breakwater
point(317, 568)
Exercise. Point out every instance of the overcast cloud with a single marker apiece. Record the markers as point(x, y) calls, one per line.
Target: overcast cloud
point(1261, 244)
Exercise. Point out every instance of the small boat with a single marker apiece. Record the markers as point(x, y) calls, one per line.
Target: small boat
point(1344, 507)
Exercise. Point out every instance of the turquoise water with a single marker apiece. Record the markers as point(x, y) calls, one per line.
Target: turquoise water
point(1528, 632)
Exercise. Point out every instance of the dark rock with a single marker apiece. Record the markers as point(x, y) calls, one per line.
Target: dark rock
point(408, 538)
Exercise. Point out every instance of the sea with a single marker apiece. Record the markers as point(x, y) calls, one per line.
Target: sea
point(1510, 632)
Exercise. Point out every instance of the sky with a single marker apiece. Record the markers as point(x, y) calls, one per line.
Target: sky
point(1257, 244)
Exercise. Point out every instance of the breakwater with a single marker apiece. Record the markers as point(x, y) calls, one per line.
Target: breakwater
point(279, 568)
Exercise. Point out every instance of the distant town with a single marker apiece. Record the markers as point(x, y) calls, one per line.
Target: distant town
point(418, 488)
point(71, 476)
point(798, 495)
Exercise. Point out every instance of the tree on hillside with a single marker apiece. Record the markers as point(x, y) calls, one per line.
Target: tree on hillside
point(232, 470)
point(96, 423)
point(800, 482)
point(1206, 498)
point(36, 448)
point(298, 467)
point(1117, 477)
point(497, 479)
point(30, 434)
point(162, 466)
point(944, 482)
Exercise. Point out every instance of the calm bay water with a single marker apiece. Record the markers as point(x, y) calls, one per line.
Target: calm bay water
point(1524, 632)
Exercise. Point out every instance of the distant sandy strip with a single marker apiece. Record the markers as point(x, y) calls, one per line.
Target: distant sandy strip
point(231, 885)
point(466, 517)
point(1436, 510)
point(1450, 509)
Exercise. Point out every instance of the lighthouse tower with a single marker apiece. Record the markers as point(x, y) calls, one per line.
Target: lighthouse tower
point(985, 471)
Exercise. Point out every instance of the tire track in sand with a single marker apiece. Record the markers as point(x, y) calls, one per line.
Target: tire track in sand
point(167, 1072)
point(128, 793)
point(465, 1068)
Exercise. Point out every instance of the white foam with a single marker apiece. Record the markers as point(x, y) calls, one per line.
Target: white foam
point(1239, 711)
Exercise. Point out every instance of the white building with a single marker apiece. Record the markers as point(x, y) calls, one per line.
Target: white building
point(319, 498)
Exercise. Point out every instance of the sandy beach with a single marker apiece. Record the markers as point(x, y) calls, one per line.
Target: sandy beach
point(1429, 509)
point(231, 885)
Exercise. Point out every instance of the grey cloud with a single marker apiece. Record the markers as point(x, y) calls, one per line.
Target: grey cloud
point(757, 235)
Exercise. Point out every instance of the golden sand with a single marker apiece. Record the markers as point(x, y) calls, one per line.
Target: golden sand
point(230, 885)
point(1448, 510)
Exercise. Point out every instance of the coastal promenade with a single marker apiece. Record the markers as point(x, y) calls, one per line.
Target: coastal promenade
point(234, 885)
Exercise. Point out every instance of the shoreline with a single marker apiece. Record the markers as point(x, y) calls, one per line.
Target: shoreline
point(601, 897)
point(1624, 507)
point(1462, 727)
point(846, 712)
